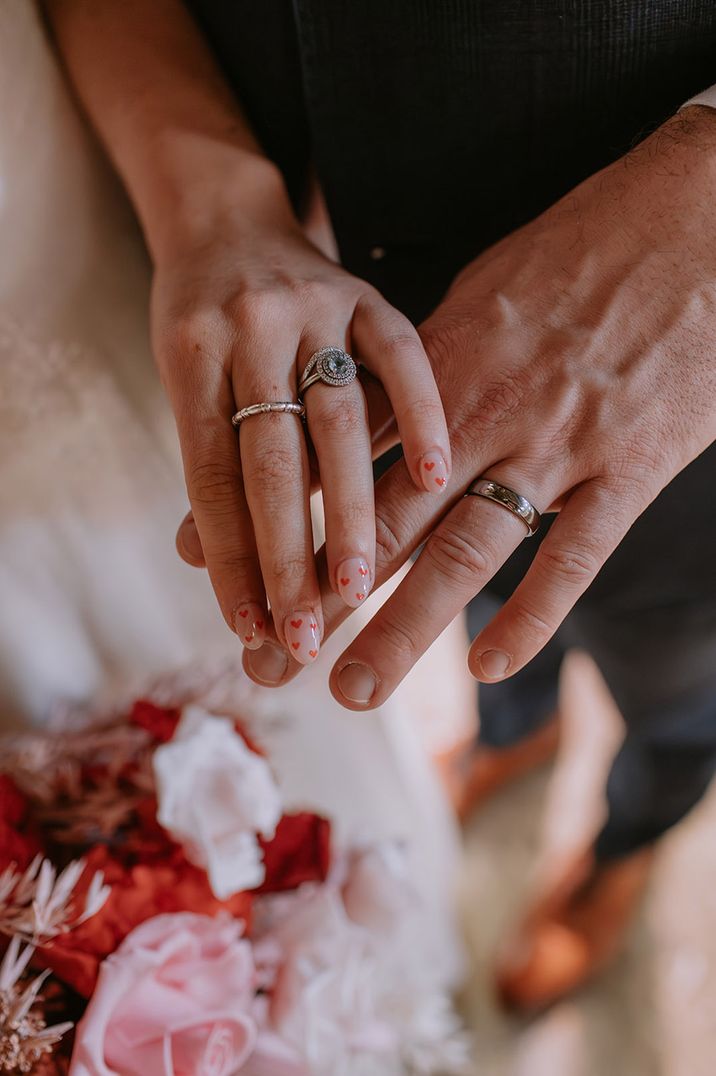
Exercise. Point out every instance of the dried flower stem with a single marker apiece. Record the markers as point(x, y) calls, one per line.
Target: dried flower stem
point(37, 904)
point(24, 1036)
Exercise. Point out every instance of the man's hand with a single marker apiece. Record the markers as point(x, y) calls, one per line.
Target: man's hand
point(576, 361)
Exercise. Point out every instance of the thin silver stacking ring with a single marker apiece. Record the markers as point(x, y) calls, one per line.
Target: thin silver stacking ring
point(279, 407)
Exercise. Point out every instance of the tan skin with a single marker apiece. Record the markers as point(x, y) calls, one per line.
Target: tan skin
point(575, 361)
point(577, 364)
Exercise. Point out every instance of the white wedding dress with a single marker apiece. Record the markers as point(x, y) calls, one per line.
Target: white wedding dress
point(94, 600)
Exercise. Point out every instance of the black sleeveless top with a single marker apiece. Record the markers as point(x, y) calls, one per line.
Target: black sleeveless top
point(437, 126)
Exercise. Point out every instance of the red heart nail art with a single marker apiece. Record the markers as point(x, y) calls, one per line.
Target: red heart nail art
point(248, 638)
point(345, 582)
point(363, 571)
point(296, 623)
point(295, 645)
point(314, 627)
point(360, 597)
point(243, 613)
point(429, 466)
point(441, 481)
point(313, 653)
point(259, 624)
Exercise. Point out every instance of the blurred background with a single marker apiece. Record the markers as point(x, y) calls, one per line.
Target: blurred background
point(653, 1013)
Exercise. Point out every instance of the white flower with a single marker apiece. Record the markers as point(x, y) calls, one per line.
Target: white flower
point(343, 965)
point(215, 795)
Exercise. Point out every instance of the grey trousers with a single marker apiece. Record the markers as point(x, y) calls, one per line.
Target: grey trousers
point(649, 621)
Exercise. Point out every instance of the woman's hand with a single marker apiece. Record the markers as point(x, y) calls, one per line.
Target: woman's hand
point(241, 300)
point(576, 361)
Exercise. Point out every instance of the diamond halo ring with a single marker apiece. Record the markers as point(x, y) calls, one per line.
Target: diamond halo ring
point(331, 365)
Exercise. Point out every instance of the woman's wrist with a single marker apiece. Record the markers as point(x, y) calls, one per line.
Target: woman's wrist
point(170, 122)
point(199, 186)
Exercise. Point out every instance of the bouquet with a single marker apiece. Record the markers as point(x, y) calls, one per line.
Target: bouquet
point(161, 915)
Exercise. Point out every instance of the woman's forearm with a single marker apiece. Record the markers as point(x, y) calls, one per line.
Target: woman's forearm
point(165, 114)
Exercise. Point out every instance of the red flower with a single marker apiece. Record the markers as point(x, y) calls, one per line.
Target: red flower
point(299, 852)
point(19, 840)
point(138, 893)
point(159, 721)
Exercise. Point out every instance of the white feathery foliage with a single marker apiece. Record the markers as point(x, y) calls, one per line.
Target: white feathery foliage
point(37, 904)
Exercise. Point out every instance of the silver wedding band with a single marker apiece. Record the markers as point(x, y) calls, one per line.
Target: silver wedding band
point(331, 366)
point(507, 498)
point(279, 407)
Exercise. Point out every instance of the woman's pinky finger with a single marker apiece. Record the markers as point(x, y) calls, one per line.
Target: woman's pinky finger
point(587, 530)
point(390, 348)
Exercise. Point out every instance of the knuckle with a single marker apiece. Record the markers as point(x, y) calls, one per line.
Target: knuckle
point(449, 339)
point(400, 346)
point(502, 400)
point(389, 548)
point(457, 556)
point(440, 337)
point(529, 623)
point(211, 483)
point(570, 565)
point(193, 336)
point(287, 569)
point(253, 307)
point(312, 293)
point(425, 413)
point(234, 565)
point(398, 643)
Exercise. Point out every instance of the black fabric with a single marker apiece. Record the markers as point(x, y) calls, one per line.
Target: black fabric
point(256, 45)
point(439, 125)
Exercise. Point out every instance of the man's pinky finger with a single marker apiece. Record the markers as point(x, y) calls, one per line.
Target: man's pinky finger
point(584, 535)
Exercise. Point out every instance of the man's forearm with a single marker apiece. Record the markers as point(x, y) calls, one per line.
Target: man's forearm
point(162, 109)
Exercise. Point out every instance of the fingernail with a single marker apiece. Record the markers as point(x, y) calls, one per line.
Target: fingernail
point(357, 682)
point(433, 472)
point(268, 664)
point(250, 625)
point(189, 543)
point(302, 636)
point(353, 578)
point(494, 663)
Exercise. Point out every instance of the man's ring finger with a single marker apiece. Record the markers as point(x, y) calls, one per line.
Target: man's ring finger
point(514, 502)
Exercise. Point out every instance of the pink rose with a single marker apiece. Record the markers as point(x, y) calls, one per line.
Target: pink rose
point(175, 999)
